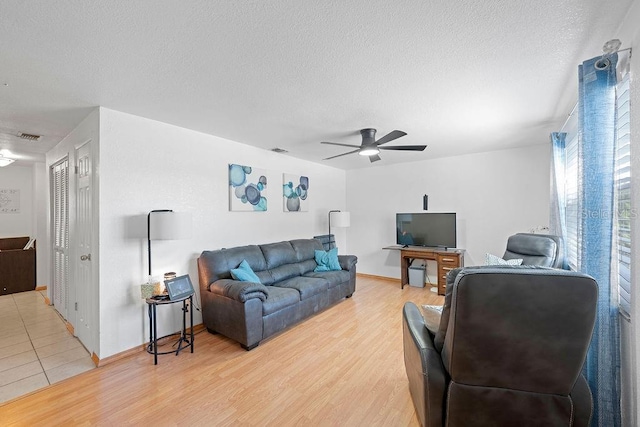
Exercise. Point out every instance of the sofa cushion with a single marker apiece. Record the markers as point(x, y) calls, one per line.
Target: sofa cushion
point(279, 298)
point(305, 248)
point(307, 266)
point(239, 291)
point(306, 286)
point(217, 264)
point(244, 273)
point(265, 277)
point(334, 278)
point(285, 272)
point(327, 260)
point(277, 254)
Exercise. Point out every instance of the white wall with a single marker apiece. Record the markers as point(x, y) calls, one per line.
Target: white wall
point(39, 223)
point(494, 194)
point(14, 177)
point(629, 34)
point(87, 130)
point(146, 165)
point(31, 221)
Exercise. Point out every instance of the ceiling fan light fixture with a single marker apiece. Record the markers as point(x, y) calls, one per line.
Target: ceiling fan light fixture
point(371, 147)
point(5, 161)
point(369, 151)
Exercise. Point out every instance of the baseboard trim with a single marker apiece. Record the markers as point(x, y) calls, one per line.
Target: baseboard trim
point(70, 328)
point(373, 276)
point(197, 328)
point(115, 357)
point(47, 301)
point(41, 288)
point(136, 350)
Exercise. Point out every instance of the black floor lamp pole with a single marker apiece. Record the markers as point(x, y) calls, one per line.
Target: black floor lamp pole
point(149, 233)
point(330, 227)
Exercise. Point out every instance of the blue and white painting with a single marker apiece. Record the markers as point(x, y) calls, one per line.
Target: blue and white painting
point(247, 188)
point(295, 192)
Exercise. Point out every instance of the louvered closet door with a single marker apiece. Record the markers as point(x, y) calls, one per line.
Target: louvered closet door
point(60, 232)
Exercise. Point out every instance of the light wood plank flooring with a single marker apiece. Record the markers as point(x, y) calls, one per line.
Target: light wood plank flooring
point(342, 367)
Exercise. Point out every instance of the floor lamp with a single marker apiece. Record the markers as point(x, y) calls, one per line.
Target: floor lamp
point(340, 219)
point(165, 224)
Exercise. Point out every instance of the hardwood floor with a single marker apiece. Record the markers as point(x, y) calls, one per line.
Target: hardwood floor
point(342, 367)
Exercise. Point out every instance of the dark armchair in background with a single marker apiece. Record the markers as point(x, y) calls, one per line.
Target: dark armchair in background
point(509, 350)
point(536, 249)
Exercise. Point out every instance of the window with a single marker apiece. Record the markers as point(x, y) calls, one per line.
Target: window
point(624, 211)
point(621, 247)
point(572, 209)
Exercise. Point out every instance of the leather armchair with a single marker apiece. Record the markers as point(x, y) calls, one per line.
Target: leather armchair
point(514, 343)
point(544, 250)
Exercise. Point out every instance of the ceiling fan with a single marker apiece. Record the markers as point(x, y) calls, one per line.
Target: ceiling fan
point(370, 147)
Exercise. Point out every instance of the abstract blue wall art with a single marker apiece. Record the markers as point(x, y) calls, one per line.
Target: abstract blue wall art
point(295, 192)
point(247, 188)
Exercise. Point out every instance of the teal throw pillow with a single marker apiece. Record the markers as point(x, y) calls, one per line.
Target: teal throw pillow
point(327, 261)
point(244, 273)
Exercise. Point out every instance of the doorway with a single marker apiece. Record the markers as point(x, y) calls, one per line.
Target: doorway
point(72, 243)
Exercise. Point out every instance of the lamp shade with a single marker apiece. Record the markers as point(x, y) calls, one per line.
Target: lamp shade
point(169, 225)
point(340, 219)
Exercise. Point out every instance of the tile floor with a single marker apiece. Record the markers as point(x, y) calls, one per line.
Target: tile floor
point(36, 349)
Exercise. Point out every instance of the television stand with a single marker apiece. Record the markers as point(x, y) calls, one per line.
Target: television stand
point(447, 260)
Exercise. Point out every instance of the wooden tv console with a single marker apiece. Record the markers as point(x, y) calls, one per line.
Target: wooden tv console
point(447, 259)
point(17, 266)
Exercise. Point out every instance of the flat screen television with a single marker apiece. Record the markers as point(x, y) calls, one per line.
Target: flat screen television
point(428, 229)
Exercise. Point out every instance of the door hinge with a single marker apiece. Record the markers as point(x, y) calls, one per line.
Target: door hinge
point(76, 306)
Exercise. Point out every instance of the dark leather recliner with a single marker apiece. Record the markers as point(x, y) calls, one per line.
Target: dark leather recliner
point(513, 341)
point(545, 250)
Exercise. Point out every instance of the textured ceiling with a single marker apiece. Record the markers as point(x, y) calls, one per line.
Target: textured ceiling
point(459, 76)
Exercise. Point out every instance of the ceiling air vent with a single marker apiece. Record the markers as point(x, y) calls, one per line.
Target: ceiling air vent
point(279, 150)
point(29, 136)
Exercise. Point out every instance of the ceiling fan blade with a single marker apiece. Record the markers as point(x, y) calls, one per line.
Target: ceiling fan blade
point(343, 154)
point(394, 134)
point(374, 158)
point(341, 145)
point(405, 147)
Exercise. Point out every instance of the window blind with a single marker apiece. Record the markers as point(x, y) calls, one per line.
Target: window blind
point(624, 211)
point(572, 188)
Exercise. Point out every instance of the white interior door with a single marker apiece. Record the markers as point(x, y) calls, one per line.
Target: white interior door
point(84, 276)
point(60, 235)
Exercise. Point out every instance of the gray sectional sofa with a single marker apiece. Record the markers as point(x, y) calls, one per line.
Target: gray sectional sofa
point(289, 289)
